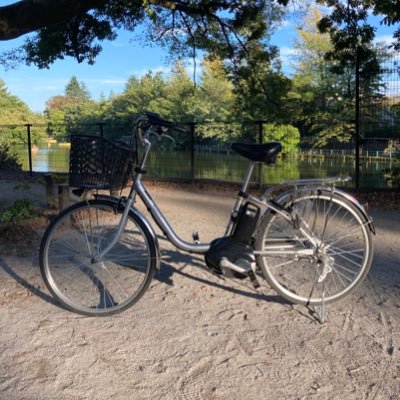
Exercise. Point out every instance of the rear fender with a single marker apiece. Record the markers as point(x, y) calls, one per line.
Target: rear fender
point(368, 220)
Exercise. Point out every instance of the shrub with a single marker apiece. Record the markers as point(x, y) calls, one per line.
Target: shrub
point(17, 213)
point(287, 135)
point(392, 174)
point(8, 160)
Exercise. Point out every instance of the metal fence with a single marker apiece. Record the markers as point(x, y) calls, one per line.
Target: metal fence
point(203, 152)
point(199, 154)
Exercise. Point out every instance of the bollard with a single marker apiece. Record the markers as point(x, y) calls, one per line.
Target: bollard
point(50, 191)
point(63, 196)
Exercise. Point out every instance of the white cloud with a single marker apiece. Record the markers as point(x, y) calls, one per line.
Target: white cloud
point(285, 24)
point(387, 39)
point(287, 51)
point(141, 72)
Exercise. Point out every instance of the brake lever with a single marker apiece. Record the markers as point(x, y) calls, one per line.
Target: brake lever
point(168, 137)
point(156, 134)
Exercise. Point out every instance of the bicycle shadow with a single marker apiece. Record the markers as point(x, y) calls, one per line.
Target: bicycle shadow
point(172, 257)
point(27, 285)
point(173, 262)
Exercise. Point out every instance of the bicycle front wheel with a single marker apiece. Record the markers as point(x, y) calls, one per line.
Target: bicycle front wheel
point(108, 286)
point(322, 252)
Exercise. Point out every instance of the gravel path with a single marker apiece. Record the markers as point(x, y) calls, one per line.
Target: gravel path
point(195, 336)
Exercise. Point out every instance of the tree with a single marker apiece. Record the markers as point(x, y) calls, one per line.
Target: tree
point(323, 94)
point(320, 98)
point(140, 94)
point(68, 28)
point(77, 91)
point(70, 110)
point(287, 135)
point(14, 113)
point(215, 93)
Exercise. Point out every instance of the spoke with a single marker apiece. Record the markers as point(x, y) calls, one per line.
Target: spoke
point(348, 234)
point(327, 216)
point(344, 268)
point(351, 225)
point(340, 274)
point(85, 233)
point(334, 282)
point(349, 260)
point(73, 267)
point(114, 280)
point(338, 251)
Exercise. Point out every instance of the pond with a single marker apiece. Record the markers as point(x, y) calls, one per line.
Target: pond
point(164, 163)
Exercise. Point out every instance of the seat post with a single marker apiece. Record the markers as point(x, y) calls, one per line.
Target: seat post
point(240, 198)
point(247, 177)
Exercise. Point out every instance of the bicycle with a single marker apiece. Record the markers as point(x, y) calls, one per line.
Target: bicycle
point(310, 241)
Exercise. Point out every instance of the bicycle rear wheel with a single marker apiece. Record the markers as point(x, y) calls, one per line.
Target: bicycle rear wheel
point(328, 266)
point(106, 287)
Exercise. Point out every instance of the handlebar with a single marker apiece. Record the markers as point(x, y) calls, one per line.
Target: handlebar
point(152, 123)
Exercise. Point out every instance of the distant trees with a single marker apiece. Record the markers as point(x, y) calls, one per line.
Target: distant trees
point(16, 113)
point(63, 112)
point(245, 84)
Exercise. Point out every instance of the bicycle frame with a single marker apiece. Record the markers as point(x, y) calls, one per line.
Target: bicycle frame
point(261, 202)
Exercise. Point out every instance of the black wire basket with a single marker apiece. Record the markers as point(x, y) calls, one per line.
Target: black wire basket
point(97, 163)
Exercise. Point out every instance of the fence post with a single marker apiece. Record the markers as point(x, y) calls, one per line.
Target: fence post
point(192, 133)
point(357, 112)
point(260, 165)
point(28, 128)
point(101, 124)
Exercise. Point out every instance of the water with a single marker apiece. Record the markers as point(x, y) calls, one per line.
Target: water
point(223, 167)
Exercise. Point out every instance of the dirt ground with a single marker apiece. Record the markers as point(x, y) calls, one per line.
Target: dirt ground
point(195, 336)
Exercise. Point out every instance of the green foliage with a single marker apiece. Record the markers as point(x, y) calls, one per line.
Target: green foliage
point(68, 112)
point(20, 210)
point(322, 98)
point(392, 174)
point(287, 135)
point(22, 186)
point(8, 160)
point(14, 115)
point(77, 91)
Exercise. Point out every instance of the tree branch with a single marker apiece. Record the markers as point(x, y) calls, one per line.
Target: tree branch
point(27, 16)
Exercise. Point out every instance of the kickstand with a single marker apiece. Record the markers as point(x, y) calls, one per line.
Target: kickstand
point(322, 313)
point(319, 316)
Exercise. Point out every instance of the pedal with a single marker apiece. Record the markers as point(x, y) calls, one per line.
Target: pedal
point(239, 271)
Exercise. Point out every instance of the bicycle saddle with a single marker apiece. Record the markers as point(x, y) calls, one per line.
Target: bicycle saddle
point(266, 152)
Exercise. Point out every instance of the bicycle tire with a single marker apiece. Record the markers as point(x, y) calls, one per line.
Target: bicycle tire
point(111, 285)
point(345, 246)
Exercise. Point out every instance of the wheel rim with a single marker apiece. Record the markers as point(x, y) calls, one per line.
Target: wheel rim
point(327, 270)
point(111, 284)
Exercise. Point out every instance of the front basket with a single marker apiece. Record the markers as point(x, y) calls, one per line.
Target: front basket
point(96, 163)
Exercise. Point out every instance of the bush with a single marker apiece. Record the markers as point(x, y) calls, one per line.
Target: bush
point(287, 135)
point(8, 160)
point(17, 213)
point(392, 174)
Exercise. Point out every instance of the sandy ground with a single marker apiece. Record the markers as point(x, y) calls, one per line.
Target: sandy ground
point(195, 336)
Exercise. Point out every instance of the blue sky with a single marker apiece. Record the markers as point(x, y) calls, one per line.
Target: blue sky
point(118, 61)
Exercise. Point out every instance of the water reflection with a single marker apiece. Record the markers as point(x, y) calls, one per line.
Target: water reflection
point(54, 157)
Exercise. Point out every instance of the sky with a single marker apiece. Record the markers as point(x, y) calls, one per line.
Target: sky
point(118, 61)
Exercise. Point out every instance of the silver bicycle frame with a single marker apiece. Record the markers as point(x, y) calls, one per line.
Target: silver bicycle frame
point(261, 202)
